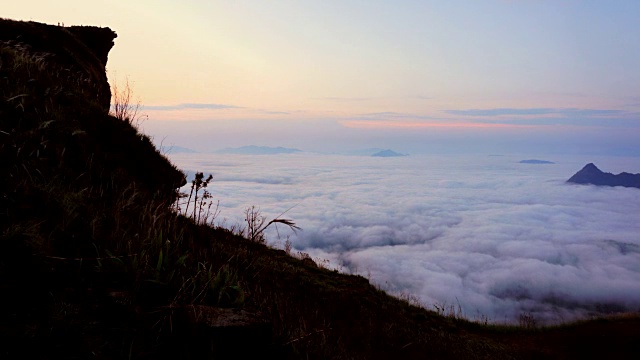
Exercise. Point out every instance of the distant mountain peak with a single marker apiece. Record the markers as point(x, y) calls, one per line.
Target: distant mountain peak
point(591, 167)
point(258, 150)
point(536, 161)
point(590, 174)
point(387, 153)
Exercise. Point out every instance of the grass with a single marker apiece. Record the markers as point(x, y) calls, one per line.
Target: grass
point(123, 107)
point(97, 260)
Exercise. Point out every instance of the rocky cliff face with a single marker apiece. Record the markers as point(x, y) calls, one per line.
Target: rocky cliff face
point(79, 51)
point(58, 144)
point(590, 174)
point(54, 83)
point(76, 186)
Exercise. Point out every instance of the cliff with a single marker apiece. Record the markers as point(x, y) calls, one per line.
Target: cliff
point(56, 86)
point(80, 52)
point(74, 181)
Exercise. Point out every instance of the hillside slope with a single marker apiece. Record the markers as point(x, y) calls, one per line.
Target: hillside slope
point(95, 262)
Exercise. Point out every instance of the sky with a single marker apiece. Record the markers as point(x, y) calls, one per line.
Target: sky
point(493, 236)
point(417, 76)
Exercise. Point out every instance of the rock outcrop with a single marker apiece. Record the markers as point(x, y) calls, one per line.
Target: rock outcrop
point(79, 51)
point(55, 84)
point(57, 139)
point(77, 185)
point(590, 174)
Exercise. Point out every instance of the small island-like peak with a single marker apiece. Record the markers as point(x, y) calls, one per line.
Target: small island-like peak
point(590, 174)
point(388, 153)
point(536, 162)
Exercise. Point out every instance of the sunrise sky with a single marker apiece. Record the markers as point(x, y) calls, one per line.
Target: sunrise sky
point(493, 75)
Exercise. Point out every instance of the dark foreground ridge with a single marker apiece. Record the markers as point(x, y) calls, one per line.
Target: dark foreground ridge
point(95, 262)
point(590, 174)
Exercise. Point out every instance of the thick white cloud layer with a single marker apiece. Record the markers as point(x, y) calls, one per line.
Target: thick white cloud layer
point(496, 237)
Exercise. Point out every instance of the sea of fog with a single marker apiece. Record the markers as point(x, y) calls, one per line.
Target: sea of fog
point(491, 236)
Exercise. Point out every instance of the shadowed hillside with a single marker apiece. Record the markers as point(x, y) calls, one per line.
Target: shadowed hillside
point(95, 262)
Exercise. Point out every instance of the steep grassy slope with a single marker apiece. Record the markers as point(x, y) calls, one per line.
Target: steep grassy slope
point(94, 263)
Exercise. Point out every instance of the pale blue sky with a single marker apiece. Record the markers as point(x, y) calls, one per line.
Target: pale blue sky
point(320, 66)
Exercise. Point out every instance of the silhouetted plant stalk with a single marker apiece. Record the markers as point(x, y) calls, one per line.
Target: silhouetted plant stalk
point(199, 183)
point(527, 321)
point(256, 223)
point(443, 309)
point(199, 204)
point(198, 207)
point(122, 106)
